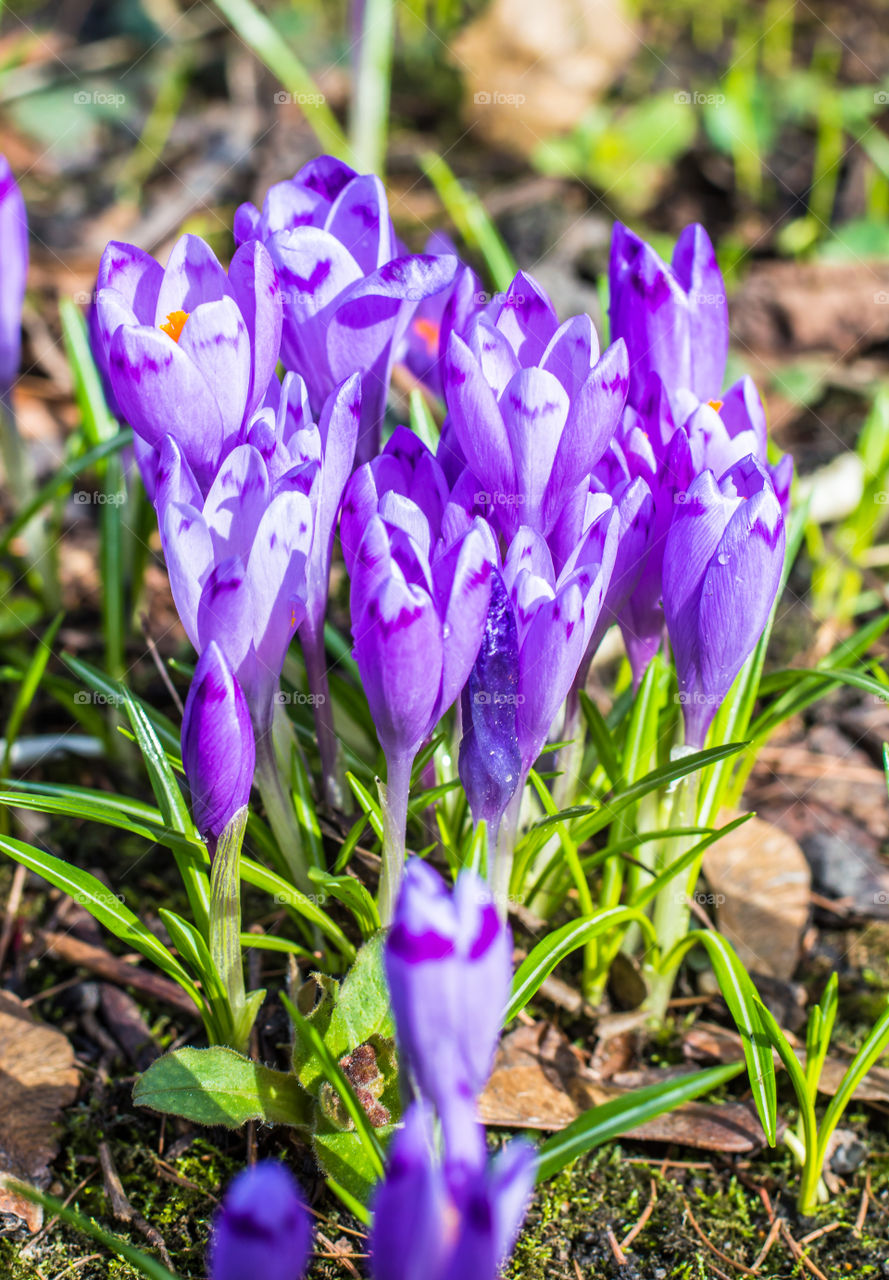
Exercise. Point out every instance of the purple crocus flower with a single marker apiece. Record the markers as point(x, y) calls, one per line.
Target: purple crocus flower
point(674, 319)
point(13, 274)
point(722, 567)
point(436, 317)
point(350, 292)
point(218, 749)
point(448, 964)
point(429, 1226)
point(531, 406)
point(418, 613)
point(237, 564)
point(189, 350)
point(262, 1229)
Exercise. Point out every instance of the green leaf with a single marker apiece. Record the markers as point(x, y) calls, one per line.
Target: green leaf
point(601, 1124)
point(103, 905)
point(602, 739)
point(352, 894)
point(345, 1160)
point(218, 1086)
point(742, 999)
point(27, 689)
point(363, 1008)
point(537, 967)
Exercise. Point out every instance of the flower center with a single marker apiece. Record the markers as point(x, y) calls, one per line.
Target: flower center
point(427, 331)
point(715, 404)
point(175, 324)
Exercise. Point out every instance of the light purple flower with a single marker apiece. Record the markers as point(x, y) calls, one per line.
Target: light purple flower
point(425, 342)
point(674, 319)
point(531, 406)
point(13, 274)
point(448, 964)
point(218, 748)
point(189, 350)
point(350, 292)
point(429, 1226)
point(722, 567)
point(262, 1230)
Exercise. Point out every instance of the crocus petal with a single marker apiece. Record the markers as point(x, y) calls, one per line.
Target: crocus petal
point(276, 572)
point(237, 501)
point(409, 1238)
point(359, 218)
point(218, 750)
point(535, 409)
point(215, 339)
point(695, 265)
point(463, 584)
point(192, 276)
point(262, 1229)
point(254, 283)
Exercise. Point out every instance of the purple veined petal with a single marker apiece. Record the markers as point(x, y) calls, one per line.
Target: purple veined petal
point(398, 647)
point(147, 460)
point(552, 648)
point(742, 411)
point(696, 268)
point(192, 276)
point(737, 595)
point(218, 749)
point(135, 276)
point(649, 310)
point(338, 430)
point(188, 552)
point(262, 1228)
point(314, 268)
point(402, 513)
point(215, 339)
point(409, 1237)
point(293, 411)
point(359, 218)
point(371, 564)
point(262, 436)
point(485, 943)
point(572, 352)
point(246, 224)
point(528, 552)
point(254, 283)
point(781, 476)
point(162, 392)
point(467, 504)
point(526, 318)
point(571, 521)
point(535, 408)
point(591, 420)
point(325, 176)
point(361, 502)
point(236, 502)
point(463, 589)
point(224, 615)
point(496, 358)
point(477, 422)
point(111, 311)
point(511, 1176)
point(173, 479)
point(406, 447)
point(276, 576)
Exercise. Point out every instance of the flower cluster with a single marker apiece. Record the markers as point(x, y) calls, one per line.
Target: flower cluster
point(447, 1210)
point(571, 489)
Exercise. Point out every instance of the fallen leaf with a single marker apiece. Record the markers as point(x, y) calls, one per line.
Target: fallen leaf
point(38, 1080)
point(760, 884)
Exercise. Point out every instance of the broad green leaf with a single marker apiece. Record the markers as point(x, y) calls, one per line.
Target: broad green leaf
point(537, 967)
point(218, 1086)
point(601, 1124)
point(363, 1008)
point(345, 1159)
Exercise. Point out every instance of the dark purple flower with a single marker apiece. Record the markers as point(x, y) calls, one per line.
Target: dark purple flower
point(13, 274)
point(448, 964)
point(531, 406)
point(189, 350)
point(674, 319)
point(262, 1230)
point(490, 760)
point(218, 751)
point(722, 567)
point(429, 1226)
point(350, 292)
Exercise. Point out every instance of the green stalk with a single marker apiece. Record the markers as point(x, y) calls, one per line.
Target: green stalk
point(369, 115)
point(671, 911)
point(225, 930)
point(395, 796)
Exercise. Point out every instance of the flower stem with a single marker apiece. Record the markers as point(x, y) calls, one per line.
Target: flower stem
point(333, 782)
point(279, 810)
point(395, 797)
point(500, 873)
point(671, 910)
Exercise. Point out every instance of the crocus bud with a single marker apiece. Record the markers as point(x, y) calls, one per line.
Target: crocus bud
point(490, 759)
point(722, 566)
point(430, 1226)
point(218, 749)
point(13, 272)
point(448, 963)
point(674, 319)
point(262, 1230)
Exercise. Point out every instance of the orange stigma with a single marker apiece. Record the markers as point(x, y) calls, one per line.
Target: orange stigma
point(175, 324)
point(715, 404)
point(428, 331)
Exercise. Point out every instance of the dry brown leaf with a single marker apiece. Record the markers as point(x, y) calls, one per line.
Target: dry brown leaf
point(37, 1080)
point(760, 883)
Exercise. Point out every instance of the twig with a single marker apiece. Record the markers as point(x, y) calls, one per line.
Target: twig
point(646, 1214)
point(767, 1247)
point(123, 1210)
point(145, 623)
point(738, 1266)
point(28, 1249)
point(340, 1255)
point(799, 1255)
point(619, 1256)
point(13, 903)
point(169, 1173)
point(862, 1212)
point(114, 969)
point(822, 1231)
